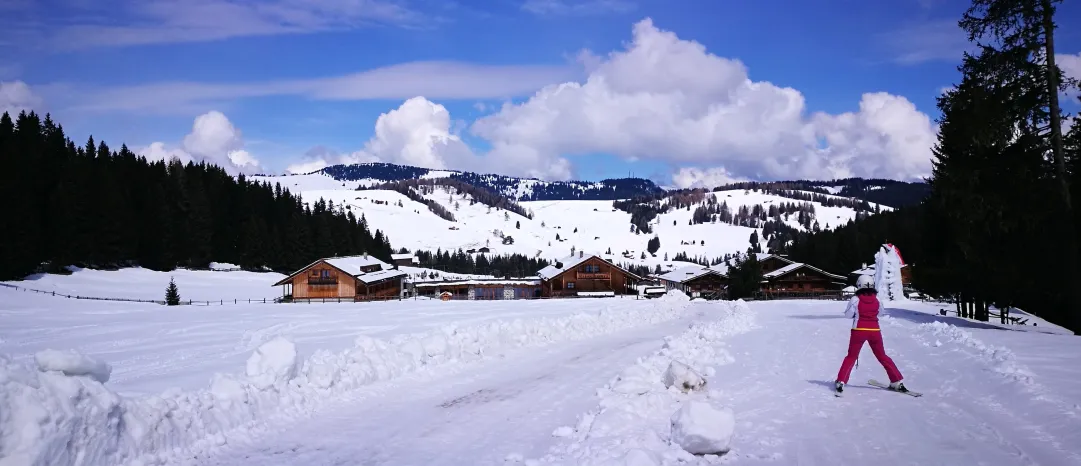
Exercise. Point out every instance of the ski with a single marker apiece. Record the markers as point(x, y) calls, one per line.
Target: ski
point(887, 387)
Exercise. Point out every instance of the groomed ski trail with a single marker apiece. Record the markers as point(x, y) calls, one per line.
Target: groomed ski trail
point(498, 408)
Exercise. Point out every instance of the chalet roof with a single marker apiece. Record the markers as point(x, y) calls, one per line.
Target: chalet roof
point(352, 264)
point(684, 274)
point(795, 266)
point(570, 262)
point(378, 276)
point(348, 264)
point(721, 268)
point(761, 256)
point(475, 281)
point(398, 257)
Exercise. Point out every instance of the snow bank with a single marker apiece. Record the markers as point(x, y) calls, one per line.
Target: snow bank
point(65, 415)
point(72, 363)
point(1000, 359)
point(643, 418)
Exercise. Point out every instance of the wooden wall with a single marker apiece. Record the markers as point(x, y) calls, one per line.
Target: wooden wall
point(312, 283)
point(707, 282)
point(801, 280)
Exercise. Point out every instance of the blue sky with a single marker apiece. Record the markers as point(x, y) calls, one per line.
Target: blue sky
point(141, 72)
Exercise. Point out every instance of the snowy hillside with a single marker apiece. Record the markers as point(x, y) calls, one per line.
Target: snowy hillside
point(599, 226)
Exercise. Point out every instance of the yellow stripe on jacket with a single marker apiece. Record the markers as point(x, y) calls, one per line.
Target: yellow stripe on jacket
point(868, 329)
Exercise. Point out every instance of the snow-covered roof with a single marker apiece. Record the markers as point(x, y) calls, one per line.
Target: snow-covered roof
point(684, 274)
point(352, 264)
point(797, 265)
point(372, 277)
point(411, 257)
point(761, 256)
point(524, 281)
point(721, 268)
point(570, 262)
point(347, 264)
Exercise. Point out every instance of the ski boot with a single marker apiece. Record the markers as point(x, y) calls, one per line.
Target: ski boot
point(898, 387)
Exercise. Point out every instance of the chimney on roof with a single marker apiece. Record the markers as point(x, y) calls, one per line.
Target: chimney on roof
point(580, 254)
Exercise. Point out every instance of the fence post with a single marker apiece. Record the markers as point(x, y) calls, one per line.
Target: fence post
point(234, 300)
point(264, 300)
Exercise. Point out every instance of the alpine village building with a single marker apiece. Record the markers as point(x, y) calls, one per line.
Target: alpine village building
point(586, 275)
point(350, 278)
point(781, 278)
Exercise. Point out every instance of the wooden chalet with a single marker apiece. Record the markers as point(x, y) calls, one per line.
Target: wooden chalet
point(481, 288)
point(352, 278)
point(695, 281)
point(798, 279)
point(586, 275)
point(406, 260)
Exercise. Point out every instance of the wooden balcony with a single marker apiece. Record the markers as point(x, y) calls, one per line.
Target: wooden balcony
point(322, 282)
point(593, 276)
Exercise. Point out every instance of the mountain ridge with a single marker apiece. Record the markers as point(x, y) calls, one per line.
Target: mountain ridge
point(892, 193)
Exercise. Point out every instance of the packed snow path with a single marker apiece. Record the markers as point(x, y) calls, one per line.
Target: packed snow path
point(983, 404)
point(478, 417)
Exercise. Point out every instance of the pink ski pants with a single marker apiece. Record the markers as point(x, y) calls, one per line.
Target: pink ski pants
point(855, 343)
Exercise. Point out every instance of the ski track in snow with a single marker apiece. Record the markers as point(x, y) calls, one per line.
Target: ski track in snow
point(477, 418)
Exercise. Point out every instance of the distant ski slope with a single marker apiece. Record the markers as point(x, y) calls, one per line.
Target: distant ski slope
point(600, 227)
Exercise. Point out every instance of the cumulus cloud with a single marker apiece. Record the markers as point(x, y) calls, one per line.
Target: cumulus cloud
point(669, 99)
point(16, 96)
point(693, 177)
point(213, 139)
point(1070, 64)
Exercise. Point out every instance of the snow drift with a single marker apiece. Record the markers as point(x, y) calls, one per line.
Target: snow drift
point(645, 416)
point(62, 413)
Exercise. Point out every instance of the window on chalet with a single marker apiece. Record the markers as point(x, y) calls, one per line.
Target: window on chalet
point(570, 285)
point(591, 268)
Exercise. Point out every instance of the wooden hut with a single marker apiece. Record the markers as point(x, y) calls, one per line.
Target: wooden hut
point(351, 278)
point(586, 275)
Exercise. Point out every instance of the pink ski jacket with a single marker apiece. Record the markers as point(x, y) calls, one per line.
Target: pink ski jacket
point(863, 310)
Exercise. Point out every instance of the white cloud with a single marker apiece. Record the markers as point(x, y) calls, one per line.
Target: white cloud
point(1070, 64)
point(668, 99)
point(693, 177)
point(436, 80)
point(212, 139)
point(136, 22)
point(577, 7)
point(922, 42)
point(16, 96)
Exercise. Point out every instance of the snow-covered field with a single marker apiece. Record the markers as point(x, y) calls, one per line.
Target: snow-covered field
point(585, 381)
point(599, 226)
point(139, 283)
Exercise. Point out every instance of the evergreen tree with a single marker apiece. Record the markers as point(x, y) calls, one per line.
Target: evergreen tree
point(172, 293)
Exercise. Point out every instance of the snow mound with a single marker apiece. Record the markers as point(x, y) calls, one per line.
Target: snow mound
point(272, 364)
point(701, 429)
point(682, 377)
point(633, 421)
point(64, 414)
point(74, 364)
point(675, 296)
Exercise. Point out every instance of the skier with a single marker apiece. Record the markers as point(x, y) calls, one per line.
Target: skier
point(863, 310)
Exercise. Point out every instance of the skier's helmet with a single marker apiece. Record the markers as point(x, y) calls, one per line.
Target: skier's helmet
point(865, 282)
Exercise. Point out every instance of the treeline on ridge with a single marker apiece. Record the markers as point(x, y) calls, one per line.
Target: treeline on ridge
point(96, 207)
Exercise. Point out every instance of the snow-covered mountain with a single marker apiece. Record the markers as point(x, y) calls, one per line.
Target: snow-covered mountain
point(686, 224)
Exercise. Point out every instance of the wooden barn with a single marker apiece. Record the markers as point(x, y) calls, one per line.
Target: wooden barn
point(481, 289)
point(406, 260)
point(352, 278)
point(586, 275)
point(695, 281)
